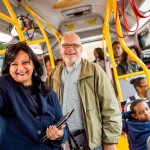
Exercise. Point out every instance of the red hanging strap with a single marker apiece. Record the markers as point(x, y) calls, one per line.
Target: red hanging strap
point(125, 22)
point(135, 9)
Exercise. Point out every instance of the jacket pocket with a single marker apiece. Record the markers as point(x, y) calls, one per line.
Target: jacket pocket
point(75, 92)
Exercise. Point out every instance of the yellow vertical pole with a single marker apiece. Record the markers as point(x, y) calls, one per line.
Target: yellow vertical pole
point(122, 143)
point(47, 42)
point(56, 34)
point(11, 12)
point(106, 35)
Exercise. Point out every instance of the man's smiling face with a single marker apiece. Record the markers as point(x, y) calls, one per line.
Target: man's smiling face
point(71, 49)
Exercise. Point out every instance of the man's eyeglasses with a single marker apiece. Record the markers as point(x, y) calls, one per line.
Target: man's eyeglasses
point(66, 45)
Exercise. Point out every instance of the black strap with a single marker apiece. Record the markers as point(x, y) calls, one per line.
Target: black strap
point(75, 142)
point(76, 133)
point(132, 98)
point(70, 144)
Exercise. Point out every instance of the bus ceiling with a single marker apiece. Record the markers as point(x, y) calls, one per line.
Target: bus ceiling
point(78, 16)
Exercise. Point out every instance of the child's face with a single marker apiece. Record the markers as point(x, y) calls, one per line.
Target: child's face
point(142, 112)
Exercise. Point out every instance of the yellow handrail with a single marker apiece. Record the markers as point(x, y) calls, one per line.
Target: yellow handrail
point(55, 32)
point(7, 18)
point(131, 74)
point(36, 41)
point(11, 12)
point(2, 52)
point(13, 19)
point(47, 43)
point(127, 50)
point(33, 14)
point(111, 7)
point(106, 35)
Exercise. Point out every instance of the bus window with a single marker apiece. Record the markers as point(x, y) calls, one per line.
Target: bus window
point(144, 39)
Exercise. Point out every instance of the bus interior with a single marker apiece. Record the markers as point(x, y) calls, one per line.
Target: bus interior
point(99, 23)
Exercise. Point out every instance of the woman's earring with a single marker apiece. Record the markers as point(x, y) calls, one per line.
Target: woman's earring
point(35, 74)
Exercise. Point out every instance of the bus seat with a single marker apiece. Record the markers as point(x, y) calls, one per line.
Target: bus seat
point(123, 105)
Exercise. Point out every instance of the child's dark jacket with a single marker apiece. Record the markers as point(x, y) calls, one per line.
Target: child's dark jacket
point(137, 131)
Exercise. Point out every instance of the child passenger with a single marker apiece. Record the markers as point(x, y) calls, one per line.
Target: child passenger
point(136, 124)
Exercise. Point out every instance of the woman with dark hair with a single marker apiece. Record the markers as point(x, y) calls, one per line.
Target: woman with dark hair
point(141, 86)
point(129, 65)
point(105, 64)
point(48, 65)
point(99, 57)
point(28, 107)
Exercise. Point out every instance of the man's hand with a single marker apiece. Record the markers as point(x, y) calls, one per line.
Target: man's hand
point(109, 147)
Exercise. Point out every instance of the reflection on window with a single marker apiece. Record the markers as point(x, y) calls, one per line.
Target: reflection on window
point(144, 39)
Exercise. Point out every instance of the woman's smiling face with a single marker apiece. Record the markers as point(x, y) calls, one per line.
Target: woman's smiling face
point(21, 69)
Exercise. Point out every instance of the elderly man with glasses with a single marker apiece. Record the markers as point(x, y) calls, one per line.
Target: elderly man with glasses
point(84, 86)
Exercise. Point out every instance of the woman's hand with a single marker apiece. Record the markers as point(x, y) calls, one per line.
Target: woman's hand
point(54, 133)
